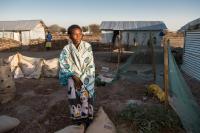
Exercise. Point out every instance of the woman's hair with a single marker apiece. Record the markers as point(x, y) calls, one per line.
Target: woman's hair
point(72, 27)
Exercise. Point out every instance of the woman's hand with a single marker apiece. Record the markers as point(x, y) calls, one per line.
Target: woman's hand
point(77, 82)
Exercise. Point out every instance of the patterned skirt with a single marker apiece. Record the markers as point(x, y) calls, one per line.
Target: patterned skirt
point(80, 104)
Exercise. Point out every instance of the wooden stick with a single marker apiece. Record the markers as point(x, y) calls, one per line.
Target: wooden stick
point(153, 57)
point(166, 77)
point(111, 50)
point(119, 49)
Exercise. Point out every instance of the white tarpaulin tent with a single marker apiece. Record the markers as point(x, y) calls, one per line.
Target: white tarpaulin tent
point(23, 30)
point(28, 67)
point(132, 32)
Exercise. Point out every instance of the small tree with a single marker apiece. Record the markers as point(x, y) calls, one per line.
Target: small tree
point(63, 30)
point(95, 29)
point(56, 28)
point(85, 28)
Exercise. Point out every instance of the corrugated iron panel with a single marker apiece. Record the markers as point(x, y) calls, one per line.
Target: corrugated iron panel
point(194, 71)
point(194, 42)
point(194, 50)
point(194, 46)
point(193, 74)
point(192, 63)
point(188, 25)
point(191, 56)
point(132, 25)
point(194, 66)
point(23, 25)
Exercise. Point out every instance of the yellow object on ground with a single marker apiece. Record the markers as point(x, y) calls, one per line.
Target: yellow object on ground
point(48, 45)
point(156, 90)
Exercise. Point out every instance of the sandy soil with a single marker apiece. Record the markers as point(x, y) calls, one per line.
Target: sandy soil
point(42, 107)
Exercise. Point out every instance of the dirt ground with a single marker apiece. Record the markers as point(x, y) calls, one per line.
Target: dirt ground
point(42, 107)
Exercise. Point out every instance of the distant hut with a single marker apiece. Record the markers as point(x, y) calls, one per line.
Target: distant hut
point(23, 31)
point(132, 32)
point(191, 52)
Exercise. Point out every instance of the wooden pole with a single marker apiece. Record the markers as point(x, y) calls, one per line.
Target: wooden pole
point(20, 35)
point(13, 35)
point(10, 41)
point(3, 36)
point(111, 50)
point(166, 74)
point(121, 47)
point(119, 50)
point(3, 31)
point(153, 57)
point(29, 37)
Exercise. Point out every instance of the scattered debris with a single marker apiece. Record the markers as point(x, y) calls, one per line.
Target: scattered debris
point(106, 76)
point(137, 102)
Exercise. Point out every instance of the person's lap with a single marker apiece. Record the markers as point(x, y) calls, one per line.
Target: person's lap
point(80, 104)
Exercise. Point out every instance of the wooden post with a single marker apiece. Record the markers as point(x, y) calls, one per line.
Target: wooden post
point(13, 35)
point(112, 45)
point(3, 32)
point(153, 58)
point(166, 75)
point(127, 40)
point(119, 50)
point(111, 50)
point(121, 47)
point(10, 41)
point(3, 36)
point(29, 37)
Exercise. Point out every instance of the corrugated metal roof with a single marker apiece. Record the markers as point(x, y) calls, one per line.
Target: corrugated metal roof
point(132, 25)
point(191, 26)
point(22, 25)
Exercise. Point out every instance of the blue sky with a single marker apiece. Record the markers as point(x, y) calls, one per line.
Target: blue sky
point(175, 13)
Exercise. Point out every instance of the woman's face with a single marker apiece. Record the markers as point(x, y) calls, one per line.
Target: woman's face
point(76, 36)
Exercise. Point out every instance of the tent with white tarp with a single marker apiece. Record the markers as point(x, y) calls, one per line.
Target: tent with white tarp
point(132, 32)
point(23, 30)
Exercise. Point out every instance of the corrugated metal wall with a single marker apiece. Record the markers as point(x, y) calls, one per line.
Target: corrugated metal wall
point(141, 37)
point(128, 37)
point(106, 37)
point(191, 56)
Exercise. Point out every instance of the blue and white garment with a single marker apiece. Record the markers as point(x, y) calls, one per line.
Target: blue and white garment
point(78, 62)
point(49, 37)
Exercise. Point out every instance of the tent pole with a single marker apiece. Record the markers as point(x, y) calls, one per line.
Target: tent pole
point(119, 50)
point(153, 57)
point(29, 37)
point(20, 36)
point(111, 50)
